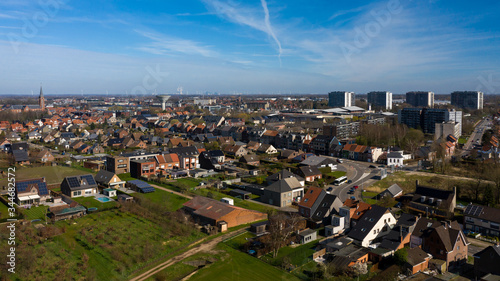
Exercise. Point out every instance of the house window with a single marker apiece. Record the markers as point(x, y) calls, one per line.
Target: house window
point(374, 231)
point(289, 194)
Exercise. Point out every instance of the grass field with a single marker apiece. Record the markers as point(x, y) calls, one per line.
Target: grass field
point(52, 174)
point(407, 182)
point(183, 268)
point(240, 240)
point(107, 245)
point(4, 212)
point(297, 256)
point(91, 202)
point(171, 201)
point(368, 197)
point(240, 267)
point(35, 213)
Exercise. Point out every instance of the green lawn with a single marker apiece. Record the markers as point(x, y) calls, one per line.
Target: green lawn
point(91, 202)
point(191, 182)
point(240, 267)
point(4, 212)
point(182, 269)
point(240, 240)
point(296, 256)
point(35, 213)
point(171, 201)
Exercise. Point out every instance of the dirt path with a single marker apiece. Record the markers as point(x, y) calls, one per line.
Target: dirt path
point(171, 191)
point(204, 247)
point(443, 176)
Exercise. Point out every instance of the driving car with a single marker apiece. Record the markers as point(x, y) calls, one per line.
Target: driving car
point(349, 181)
point(329, 189)
point(355, 187)
point(340, 161)
point(353, 198)
point(372, 166)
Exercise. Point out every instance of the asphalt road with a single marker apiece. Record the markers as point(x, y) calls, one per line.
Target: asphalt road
point(476, 136)
point(358, 173)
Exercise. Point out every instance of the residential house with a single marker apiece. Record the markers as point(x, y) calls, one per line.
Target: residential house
point(45, 156)
point(307, 202)
point(447, 242)
point(76, 186)
point(355, 152)
point(213, 212)
point(417, 260)
point(267, 149)
point(171, 161)
point(399, 236)
point(250, 159)
point(395, 158)
point(289, 154)
point(319, 162)
point(253, 145)
point(283, 174)
point(310, 173)
point(188, 157)
point(482, 219)
point(108, 179)
point(32, 191)
point(374, 224)
point(487, 261)
point(357, 209)
point(348, 256)
point(422, 229)
point(142, 168)
point(235, 150)
point(21, 157)
point(117, 164)
point(283, 192)
point(433, 202)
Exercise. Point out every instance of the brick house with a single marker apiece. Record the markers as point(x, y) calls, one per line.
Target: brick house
point(142, 168)
point(447, 242)
point(310, 173)
point(117, 164)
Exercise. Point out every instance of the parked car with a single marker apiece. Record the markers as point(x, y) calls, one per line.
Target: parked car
point(353, 198)
point(355, 187)
point(372, 166)
point(329, 189)
point(340, 161)
point(349, 181)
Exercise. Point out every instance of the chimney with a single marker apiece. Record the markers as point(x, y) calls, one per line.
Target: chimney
point(400, 234)
point(416, 182)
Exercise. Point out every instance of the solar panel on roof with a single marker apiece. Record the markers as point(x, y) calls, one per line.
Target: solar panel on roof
point(73, 182)
point(90, 179)
point(148, 189)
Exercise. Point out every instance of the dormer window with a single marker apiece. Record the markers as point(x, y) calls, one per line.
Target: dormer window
point(431, 200)
point(422, 199)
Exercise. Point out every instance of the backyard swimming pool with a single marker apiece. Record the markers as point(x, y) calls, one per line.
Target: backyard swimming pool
point(103, 199)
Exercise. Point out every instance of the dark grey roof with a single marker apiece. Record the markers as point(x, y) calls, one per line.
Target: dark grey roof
point(284, 185)
point(367, 222)
point(307, 232)
point(283, 174)
point(20, 155)
point(392, 190)
point(185, 151)
point(104, 176)
point(324, 207)
point(394, 155)
point(424, 226)
point(216, 153)
point(485, 213)
point(316, 161)
point(309, 171)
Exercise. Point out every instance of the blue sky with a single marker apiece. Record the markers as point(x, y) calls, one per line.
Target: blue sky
point(249, 47)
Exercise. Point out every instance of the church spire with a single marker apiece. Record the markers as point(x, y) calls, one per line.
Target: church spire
point(41, 99)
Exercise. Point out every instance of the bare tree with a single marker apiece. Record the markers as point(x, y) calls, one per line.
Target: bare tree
point(281, 228)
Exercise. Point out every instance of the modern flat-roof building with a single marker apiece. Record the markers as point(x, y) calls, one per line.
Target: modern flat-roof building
point(340, 99)
point(427, 118)
point(380, 99)
point(420, 99)
point(467, 99)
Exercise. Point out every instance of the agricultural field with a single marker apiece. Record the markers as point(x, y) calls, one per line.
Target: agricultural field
point(108, 245)
point(240, 266)
point(52, 174)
